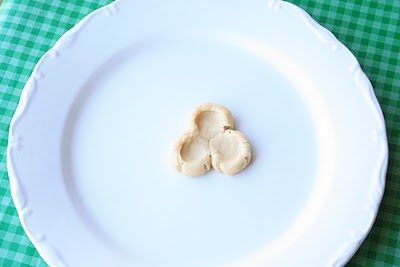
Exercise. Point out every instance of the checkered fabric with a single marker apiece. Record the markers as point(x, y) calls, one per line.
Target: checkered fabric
point(369, 28)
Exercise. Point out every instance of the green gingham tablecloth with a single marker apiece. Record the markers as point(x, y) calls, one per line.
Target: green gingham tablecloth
point(369, 28)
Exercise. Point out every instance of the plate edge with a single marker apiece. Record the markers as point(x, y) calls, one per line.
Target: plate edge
point(46, 250)
point(350, 247)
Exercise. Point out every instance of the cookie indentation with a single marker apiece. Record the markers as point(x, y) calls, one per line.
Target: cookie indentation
point(192, 155)
point(230, 152)
point(210, 119)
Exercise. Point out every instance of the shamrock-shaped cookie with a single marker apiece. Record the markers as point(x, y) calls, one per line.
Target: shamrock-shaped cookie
point(211, 141)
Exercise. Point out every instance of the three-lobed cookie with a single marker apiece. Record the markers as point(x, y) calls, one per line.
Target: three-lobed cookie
point(211, 141)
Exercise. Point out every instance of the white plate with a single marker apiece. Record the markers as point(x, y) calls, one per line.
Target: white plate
point(89, 143)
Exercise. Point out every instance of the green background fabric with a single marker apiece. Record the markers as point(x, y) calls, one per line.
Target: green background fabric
point(370, 29)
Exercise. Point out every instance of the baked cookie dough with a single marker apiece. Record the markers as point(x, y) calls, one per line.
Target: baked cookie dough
point(230, 152)
point(210, 119)
point(211, 141)
point(191, 154)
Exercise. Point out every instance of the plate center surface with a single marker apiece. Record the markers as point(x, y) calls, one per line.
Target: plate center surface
point(139, 102)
